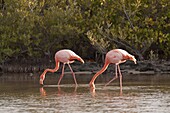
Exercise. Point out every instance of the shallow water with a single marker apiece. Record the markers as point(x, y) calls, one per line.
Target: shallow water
point(141, 94)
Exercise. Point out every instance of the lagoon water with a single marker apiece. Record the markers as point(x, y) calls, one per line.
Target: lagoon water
point(21, 93)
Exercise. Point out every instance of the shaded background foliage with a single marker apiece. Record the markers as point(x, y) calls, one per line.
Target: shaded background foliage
point(38, 28)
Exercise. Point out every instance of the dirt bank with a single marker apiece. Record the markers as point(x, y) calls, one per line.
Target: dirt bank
point(142, 67)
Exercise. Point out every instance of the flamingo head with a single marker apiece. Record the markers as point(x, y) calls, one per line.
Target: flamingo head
point(41, 81)
point(132, 58)
point(80, 59)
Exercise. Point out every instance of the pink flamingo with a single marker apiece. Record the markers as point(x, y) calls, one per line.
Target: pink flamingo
point(66, 57)
point(116, 57)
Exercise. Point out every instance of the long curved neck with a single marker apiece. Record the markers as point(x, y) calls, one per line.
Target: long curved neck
point(99, 72)
point(57, 65)
point(50, 70)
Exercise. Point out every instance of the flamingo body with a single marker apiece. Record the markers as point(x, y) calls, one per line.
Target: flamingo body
point(65, 56)
point(116, 57)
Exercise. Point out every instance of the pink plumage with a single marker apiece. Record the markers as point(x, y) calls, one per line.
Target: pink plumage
point(116, 57)
point(65, 56)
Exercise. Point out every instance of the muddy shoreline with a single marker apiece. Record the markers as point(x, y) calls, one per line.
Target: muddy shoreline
point(142, 67)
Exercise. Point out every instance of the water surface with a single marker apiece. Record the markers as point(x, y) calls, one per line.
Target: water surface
point(141, 94)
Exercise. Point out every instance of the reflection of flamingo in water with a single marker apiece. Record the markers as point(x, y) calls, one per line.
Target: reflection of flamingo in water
point(66, 57)
point(43, 92)
point(116, 57)
point(59, 92)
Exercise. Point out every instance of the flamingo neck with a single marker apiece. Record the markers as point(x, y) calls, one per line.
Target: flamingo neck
point(103, 69)
point(57, 65)
point(100, 72)
point(51, 70)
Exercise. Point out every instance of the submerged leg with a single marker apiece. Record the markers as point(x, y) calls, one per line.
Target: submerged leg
point(73, 74)
point(115, 77)
point(62, 74)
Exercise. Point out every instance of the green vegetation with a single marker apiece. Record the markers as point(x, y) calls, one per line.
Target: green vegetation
point(36, 28)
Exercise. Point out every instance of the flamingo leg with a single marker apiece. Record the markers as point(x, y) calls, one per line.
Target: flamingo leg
point(62, 74)
point(115, 77)
point(73, 74)
point(120, 75)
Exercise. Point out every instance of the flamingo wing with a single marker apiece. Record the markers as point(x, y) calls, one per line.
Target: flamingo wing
point(114, 56)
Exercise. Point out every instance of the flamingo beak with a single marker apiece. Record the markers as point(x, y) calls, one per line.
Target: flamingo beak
point(81, 60)
point(135, 62)
point(133, 59)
